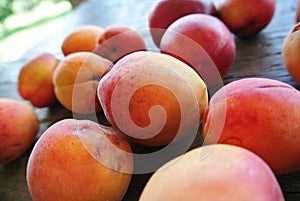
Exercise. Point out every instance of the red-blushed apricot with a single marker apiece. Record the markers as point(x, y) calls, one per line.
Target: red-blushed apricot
point(79, 160)
point(19, 127)
point(76, 81)
point(164, 13)
point(35, 80)
point(153, 98)
point(82, 39)
point(117, 41)
point(214, 172)
point(203, 42)
point(245, 18)
point(259, 114)
point(291, 51)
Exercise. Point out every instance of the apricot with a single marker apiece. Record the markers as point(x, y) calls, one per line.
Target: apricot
point(82, 39)
point(259, 114)
point(291, 51)
point(79, 160)
point(153, 98)
point(164, 13)
point(76, 80)
point(214, 172)
point(19, 127)
point(245, 18)
point(35, 80)
point(117, 41)
point(203, 42)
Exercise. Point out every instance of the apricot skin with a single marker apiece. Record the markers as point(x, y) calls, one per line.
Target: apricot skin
point(259, 114)
point(162, 14)
point(185, 38)
point(171, 79)
point(19, 127)
point(82, 39)
point(76, 80)
point(245, 18)
point(117, 41)
point(214, 172)
point(60, 167)
point(291, 51)
point(35, 80)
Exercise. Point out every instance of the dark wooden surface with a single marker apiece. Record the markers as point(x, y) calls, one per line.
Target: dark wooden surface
point(259, 56)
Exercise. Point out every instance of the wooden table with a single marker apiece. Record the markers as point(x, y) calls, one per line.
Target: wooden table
point(259, 56)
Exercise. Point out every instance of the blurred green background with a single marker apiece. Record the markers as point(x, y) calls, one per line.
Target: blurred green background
point(23, 21)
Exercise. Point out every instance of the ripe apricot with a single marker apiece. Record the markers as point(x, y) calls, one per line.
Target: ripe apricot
point(291, 51)
point(216, 173)
point(261, 115)
point(35, 80)
point(154, 98)
point(76, 81)
point(19, 127)
point(82, 39)
point(79, 160)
